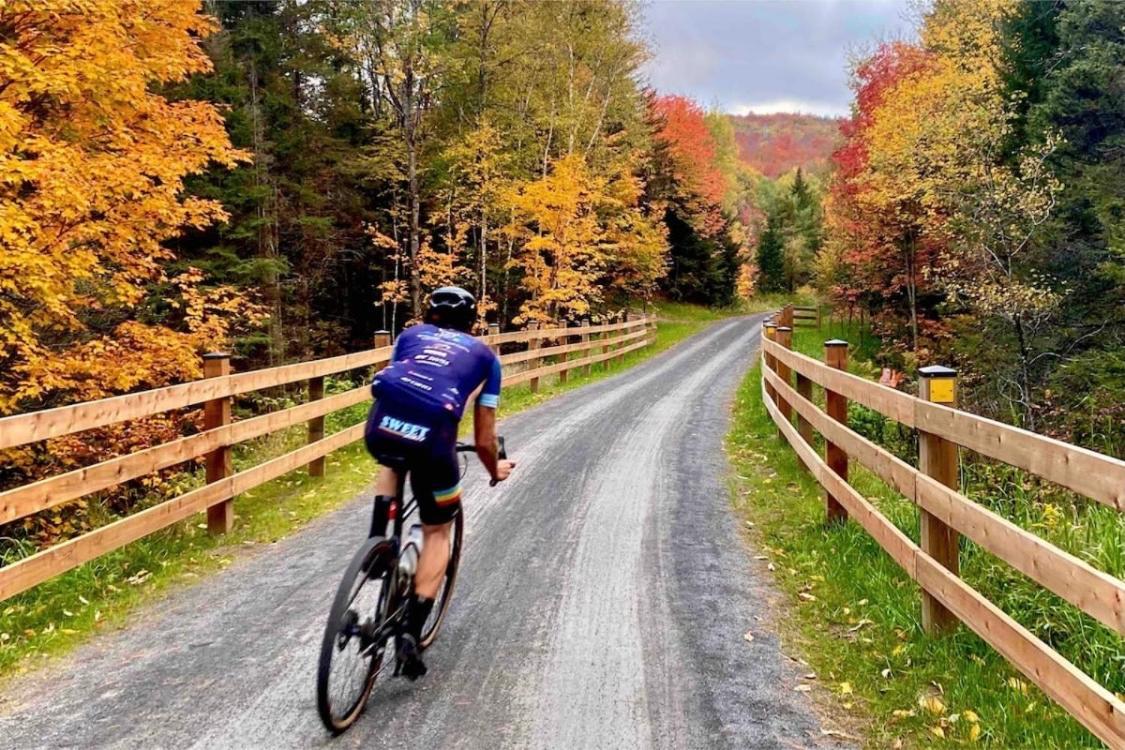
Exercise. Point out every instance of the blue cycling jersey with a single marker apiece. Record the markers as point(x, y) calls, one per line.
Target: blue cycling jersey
point(434, 371)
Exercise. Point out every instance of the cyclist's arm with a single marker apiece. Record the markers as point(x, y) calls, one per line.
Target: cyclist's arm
point(484, 423)
point(484, 435)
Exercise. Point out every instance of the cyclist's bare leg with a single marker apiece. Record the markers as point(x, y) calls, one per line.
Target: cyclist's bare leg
point(386, 482)
point(433, 560)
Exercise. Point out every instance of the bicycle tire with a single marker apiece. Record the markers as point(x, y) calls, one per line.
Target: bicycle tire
point(445, 593)
point(376, 554)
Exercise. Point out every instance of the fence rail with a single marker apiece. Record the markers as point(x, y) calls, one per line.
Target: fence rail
point(945, 512)
point(601, 343)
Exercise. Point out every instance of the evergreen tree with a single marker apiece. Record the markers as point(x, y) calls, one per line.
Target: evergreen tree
point(771, 263)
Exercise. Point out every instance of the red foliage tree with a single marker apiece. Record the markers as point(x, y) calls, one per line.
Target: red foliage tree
point(699, 181)
point(876, 272)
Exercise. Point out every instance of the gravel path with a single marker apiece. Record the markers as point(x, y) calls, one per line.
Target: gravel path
point(602, 602)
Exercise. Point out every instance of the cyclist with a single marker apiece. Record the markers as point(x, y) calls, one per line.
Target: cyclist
point(436, 369)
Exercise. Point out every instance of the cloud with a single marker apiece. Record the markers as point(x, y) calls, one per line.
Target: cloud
point(821, 109)
point(761, 56)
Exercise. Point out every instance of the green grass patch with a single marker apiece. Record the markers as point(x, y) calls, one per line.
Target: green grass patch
point(856, 616)
point(62, 612)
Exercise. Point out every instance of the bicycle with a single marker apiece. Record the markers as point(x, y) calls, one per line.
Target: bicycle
point(377, 585)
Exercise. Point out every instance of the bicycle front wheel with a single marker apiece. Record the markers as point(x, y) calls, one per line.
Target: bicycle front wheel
point(355, 637)
point(445, 592)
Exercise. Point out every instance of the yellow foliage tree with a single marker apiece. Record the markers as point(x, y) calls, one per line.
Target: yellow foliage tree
point(92, 167)
point(577, 234)
point(939, 167)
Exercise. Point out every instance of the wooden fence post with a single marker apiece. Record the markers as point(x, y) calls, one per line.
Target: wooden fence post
point(786, 316)
point(586, 340)
point(564, 356)
point(784, 336)
point(836, 355)
point(605, 347)
point(769, 330)
point(804, 427)
point(382, 338)
point(937, 457)
point(494, 330)
point(626, 317)
point(534, 344)
point(316, 426)
point(216, 413)
point(804, 389)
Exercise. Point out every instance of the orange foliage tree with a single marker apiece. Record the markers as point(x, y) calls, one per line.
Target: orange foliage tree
point(92, 168)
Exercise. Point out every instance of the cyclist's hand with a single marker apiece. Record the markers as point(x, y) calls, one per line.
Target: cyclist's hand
point(503, 470)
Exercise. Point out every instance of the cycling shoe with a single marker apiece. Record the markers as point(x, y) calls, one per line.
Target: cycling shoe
point(410, 664)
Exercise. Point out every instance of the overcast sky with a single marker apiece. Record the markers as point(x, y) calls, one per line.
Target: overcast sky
point(766, 55)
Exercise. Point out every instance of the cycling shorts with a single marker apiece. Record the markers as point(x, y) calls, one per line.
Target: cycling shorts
point(428, 452)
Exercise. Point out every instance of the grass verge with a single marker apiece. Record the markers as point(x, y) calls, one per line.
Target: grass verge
point(60, 613)
point(855, 616)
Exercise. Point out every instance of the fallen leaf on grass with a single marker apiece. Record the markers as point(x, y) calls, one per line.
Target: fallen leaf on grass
point(971, 716)
point(802, 689)
point(845, 688)
point(748, 637)
point(806, 596)
point(938, 732)
point(139, 578)
point(932, 704)
point(974, 733)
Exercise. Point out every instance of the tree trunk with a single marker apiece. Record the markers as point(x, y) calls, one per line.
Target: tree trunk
point(483, 291)
point(267, 221)
point(912, 292)
point(415, 196)
point(1024, 375)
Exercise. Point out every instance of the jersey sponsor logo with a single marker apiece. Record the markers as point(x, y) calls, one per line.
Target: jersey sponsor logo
point(415, 432)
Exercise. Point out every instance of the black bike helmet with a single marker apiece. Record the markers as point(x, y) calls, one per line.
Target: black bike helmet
point(452, 307)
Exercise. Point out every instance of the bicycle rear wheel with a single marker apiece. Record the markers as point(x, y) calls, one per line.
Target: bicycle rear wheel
point(445, 592)
point(355, 637)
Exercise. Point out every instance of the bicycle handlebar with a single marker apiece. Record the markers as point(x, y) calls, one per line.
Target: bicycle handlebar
point(470, 448)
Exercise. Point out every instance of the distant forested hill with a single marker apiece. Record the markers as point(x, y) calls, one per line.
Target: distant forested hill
point(774, 144)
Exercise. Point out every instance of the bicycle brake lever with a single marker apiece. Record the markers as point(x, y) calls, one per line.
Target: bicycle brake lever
point(501, 454)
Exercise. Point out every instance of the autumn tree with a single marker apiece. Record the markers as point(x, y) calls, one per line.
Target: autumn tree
point(401, 45)
point(578, 233)
point(689, 181)
point(94, 160)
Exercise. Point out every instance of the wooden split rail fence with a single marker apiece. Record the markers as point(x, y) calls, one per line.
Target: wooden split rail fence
point(591, 345)
point(945, 513)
